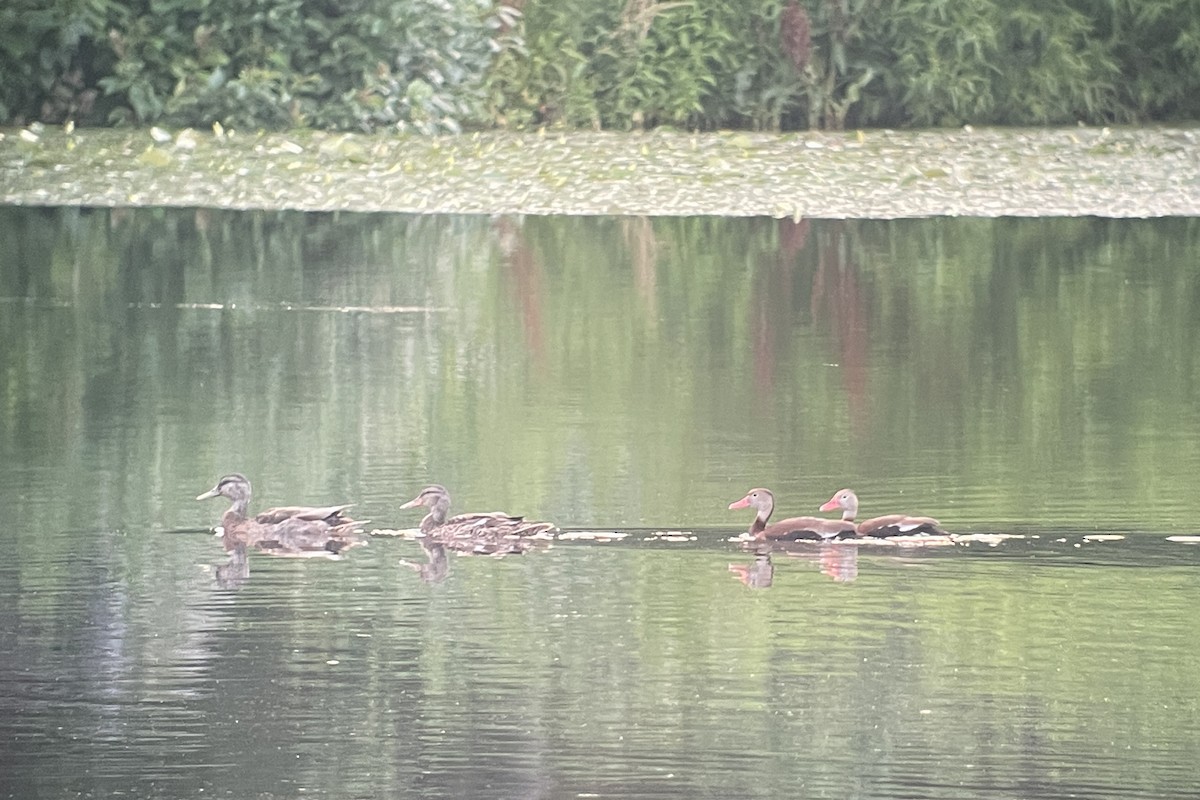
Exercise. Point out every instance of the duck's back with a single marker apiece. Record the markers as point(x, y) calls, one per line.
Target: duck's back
point(332, 515)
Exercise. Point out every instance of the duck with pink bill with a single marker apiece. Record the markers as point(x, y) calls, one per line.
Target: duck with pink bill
point(881, 527)
point(793, 528)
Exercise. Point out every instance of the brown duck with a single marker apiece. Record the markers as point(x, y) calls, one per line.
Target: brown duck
point(885, 526)
point(491, 533)
point(284, 531)
point(793, 528)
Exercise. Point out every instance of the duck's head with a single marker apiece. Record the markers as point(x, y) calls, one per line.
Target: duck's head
point(844, 499)
point(234, 486)
point(429, 497)
point(760, 499)
point(436, 499)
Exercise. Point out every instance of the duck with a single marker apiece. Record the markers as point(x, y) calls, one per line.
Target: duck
point(885, 526)
point(295, 531)
point(793, 528)
point(489, 533)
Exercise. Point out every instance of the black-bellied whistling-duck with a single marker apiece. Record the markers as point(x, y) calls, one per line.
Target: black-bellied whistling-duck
point(491, 533)
point(881, 527)
point(792, 529)
point(284, 531)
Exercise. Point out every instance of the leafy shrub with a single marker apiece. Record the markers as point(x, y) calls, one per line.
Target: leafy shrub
point(828, 63)
point(1157, 45)
point(632, 63)
point(275, 63)
point(49, 58)
point(438, 65)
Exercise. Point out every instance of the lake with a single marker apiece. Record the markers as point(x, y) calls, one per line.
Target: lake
point(1037, 379)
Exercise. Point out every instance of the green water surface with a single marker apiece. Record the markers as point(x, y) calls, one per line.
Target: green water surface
point(634, 375)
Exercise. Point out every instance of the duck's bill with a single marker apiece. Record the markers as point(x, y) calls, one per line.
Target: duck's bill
point(416, 501)
point(743, 503)
point(210, 493)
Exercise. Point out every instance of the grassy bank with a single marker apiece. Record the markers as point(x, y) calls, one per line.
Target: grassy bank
point(1118, 172)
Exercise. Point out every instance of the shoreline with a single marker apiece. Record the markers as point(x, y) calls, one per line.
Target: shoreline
point(870, 174)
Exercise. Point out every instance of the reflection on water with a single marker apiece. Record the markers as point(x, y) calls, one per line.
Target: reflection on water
point(1032, 378)
point(758, 574)
point(838, 562)
point(235, 570)
point(605, 372)
point(589, 669)
point(437, 564)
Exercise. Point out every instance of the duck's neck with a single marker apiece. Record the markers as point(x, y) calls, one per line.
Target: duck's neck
point(850, 511)
point(760, 520)
point(437, 514)
point(238, 509)
point(235, 513)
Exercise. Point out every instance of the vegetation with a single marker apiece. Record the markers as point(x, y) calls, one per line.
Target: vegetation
point(441, 65)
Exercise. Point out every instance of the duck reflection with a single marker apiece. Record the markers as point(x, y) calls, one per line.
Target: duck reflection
point(837, 560)
point(437, 565)
point(759, 574)
point(233, 573)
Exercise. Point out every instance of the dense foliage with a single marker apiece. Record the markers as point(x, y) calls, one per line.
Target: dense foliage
point(356, 64)
point(438, 65)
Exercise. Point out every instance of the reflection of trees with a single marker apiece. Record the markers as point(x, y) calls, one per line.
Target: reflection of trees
point(618, 391)
point(771, 312)
point(514, 675)
point(525, 284)
point(642, 245)
point(1003, 356)
point(838, 301)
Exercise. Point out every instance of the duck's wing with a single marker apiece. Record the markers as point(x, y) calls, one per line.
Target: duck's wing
point(307, 537)
point(332, 514)
point(900, 525)
point(487, 519)
point(814, 528)
point(491, 533)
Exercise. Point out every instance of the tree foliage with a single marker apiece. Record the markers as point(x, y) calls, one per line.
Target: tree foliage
point(441, 65)
point(829, 63)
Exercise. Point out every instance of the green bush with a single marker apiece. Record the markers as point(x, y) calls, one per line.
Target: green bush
point(361, 64)
point(50, 53)
point(1156, 43)
point(440, 65)
point(992, 61)
point(829, 63)
point(622, 64)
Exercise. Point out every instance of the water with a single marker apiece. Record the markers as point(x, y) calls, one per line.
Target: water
point(1031, 377)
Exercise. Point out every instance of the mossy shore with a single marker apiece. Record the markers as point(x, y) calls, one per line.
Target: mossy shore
point(1117, 172)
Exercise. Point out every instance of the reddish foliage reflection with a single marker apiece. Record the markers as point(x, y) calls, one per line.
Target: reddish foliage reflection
point(525, 286)
point(837, 297)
